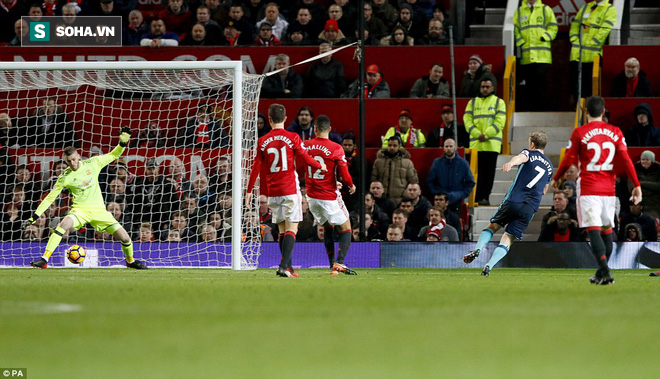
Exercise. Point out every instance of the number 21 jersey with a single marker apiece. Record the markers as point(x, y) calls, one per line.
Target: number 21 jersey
point(275, 161)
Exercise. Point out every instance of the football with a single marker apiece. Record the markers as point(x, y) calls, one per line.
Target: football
point(76, 254)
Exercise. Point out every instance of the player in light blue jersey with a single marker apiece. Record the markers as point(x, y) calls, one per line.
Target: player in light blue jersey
point(82, 181)
point(521, 201)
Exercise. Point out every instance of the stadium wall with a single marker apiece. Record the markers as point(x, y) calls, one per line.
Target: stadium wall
point(626, 255)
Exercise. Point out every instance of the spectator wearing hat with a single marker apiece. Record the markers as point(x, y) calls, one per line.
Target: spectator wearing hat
point(631, 82)
point(375, 85)
point(177, 17)
point(285, 84)
point(332, 35)
point(296, 36)
point(266, 36)
point(202, 131)
point(410, 136)
point(450, 174)
point(326, 76)
point(438, 136)
point(278, 24)
point(648, 172)
point(472, 77)
point(643, 133)
point(416, 27)
point(431, 86)
point(159, 36)
point(435, 35)
point(236, 35)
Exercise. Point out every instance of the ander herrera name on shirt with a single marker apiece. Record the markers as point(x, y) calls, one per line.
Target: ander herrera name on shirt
point(284, 139)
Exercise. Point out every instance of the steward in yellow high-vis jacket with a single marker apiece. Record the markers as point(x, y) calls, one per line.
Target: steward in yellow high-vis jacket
point(596, 19)
point(535, 27)
point(484, 119)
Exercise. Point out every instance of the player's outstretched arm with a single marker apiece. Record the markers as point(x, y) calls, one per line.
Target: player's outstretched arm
point(124, 137)
point(46, 202)
point(515, 161)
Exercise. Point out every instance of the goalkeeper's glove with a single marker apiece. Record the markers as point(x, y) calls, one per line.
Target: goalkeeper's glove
point(31, 220)
point(124, 136)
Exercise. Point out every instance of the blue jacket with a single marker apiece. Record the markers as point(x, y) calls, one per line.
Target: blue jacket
point(452, 176)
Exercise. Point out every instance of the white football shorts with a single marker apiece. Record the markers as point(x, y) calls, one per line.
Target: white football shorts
point(331, 211)
point(286, 208)
point(596, 210)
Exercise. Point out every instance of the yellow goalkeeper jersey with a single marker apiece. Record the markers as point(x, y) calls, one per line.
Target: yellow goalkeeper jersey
point(83, 184)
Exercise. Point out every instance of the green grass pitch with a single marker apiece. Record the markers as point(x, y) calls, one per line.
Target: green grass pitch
point(383, 323)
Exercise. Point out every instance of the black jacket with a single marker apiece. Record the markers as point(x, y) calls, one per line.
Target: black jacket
point(273, 87)
point(620, 84)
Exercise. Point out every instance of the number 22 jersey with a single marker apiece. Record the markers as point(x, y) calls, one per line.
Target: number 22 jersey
point(598, 146)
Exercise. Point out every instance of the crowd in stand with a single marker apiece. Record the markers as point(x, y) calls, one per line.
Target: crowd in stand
point(245, 23)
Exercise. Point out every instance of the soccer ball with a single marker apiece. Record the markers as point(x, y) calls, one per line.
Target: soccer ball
point(76, 254)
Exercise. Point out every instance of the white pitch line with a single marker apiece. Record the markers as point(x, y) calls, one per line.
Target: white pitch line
point(36, 308)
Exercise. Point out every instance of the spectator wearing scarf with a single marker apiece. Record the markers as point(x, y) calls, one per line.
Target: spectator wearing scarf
point(410, 136)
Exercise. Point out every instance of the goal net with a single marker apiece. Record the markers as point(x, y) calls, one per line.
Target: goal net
point(177, 189)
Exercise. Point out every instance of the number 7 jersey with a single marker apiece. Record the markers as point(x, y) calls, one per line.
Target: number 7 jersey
point(595, 147)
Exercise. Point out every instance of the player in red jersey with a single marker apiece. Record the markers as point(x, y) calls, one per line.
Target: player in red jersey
point(324, 198)
point(595, 147)
point(277, 150)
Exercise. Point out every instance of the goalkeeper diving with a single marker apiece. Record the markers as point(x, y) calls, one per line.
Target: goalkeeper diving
point(82, 181)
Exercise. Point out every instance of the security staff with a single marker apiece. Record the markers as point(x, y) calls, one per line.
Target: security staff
point(534, 26)
point(484, 119)
point(589, 30)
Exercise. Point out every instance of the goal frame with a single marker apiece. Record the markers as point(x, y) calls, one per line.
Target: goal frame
point(237, 117)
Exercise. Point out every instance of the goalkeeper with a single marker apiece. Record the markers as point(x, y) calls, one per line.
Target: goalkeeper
point(82, 181)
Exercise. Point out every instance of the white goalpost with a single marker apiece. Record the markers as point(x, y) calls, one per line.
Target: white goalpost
point(179, 187)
